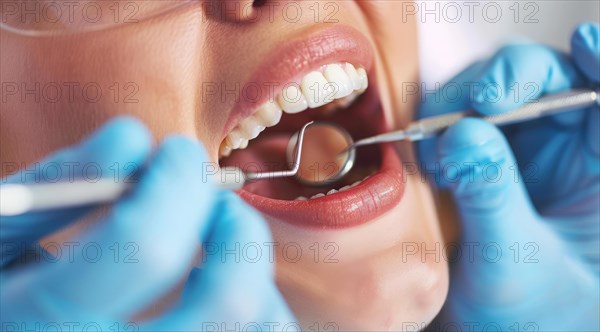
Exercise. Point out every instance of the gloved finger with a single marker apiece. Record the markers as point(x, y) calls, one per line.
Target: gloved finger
point(483, 177)
point(518, 74)
point(235, 282)
point(593, 132)
point(115, 151)
point(240, 235)
point(585, 48)
point(156, 228)
point(455, 95)
point(497, 217)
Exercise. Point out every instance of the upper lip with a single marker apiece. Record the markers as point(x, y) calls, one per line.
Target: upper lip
point(295, 58)
point(288, 63)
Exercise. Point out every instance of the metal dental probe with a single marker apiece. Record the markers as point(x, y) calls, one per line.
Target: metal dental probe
point(16, 199)
point(547, 105)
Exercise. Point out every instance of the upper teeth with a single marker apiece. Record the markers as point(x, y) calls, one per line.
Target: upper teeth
point(342, 83)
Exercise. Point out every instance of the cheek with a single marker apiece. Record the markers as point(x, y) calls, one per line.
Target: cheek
point(47, 93)
point(397, 58)
point(67, 86)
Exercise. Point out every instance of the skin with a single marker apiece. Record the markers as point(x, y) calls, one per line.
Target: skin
point(372, 285)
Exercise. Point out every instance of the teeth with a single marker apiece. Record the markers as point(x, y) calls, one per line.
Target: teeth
point(364, 81)
point(344, 188)
point(234, 139)
point(225, 150)
point(251, 127)
point(244, 144)
point(338, 84)
point(332, 191)
point(292, 100)
point(340, 80)
point(353, 74)
point(317, 90)
point(269, 114)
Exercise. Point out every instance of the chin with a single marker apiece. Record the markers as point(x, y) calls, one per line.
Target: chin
point(367, 277)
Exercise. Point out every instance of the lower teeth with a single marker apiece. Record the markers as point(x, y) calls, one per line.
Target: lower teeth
point(332, 191)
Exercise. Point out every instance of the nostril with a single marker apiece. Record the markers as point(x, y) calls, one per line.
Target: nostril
point(238, 11)
point(258, 3)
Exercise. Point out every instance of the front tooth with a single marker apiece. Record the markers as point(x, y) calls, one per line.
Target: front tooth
point(364, 80)
point(353, 74)
point(292, 100)
point(344, 188)
point(355, 184)
point(332, 191)
point(340, 80)
point(269, 114)
point(317, 90)
point(318, 195)
point(301, 198)
point(234, 139)
point(250, 128)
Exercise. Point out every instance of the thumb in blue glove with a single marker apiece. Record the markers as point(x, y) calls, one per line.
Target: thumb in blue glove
point(510, 258)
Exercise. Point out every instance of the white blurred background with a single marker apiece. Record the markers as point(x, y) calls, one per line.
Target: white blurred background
point(455, 33)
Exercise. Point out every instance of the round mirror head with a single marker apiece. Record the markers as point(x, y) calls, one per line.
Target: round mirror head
point(321, 162)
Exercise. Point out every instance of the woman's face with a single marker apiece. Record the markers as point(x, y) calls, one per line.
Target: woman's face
point(367, 257)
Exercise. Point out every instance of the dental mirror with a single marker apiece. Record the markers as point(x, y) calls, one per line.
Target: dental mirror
point(322, 163)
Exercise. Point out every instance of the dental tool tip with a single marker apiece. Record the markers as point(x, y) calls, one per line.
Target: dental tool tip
point(15, 199)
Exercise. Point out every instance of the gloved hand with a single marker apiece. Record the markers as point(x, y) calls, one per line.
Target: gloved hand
point(141, 250)
point(528, 195)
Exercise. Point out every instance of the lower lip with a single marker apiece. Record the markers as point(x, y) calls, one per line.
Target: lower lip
point(372, 198)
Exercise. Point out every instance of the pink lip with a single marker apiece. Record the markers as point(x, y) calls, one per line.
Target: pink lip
point(289, 61)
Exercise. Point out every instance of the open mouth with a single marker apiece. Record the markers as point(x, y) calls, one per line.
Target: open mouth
point(338, 92)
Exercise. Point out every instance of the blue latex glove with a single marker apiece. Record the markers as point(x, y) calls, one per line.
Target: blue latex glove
point(530, 244)
point(141, 250)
